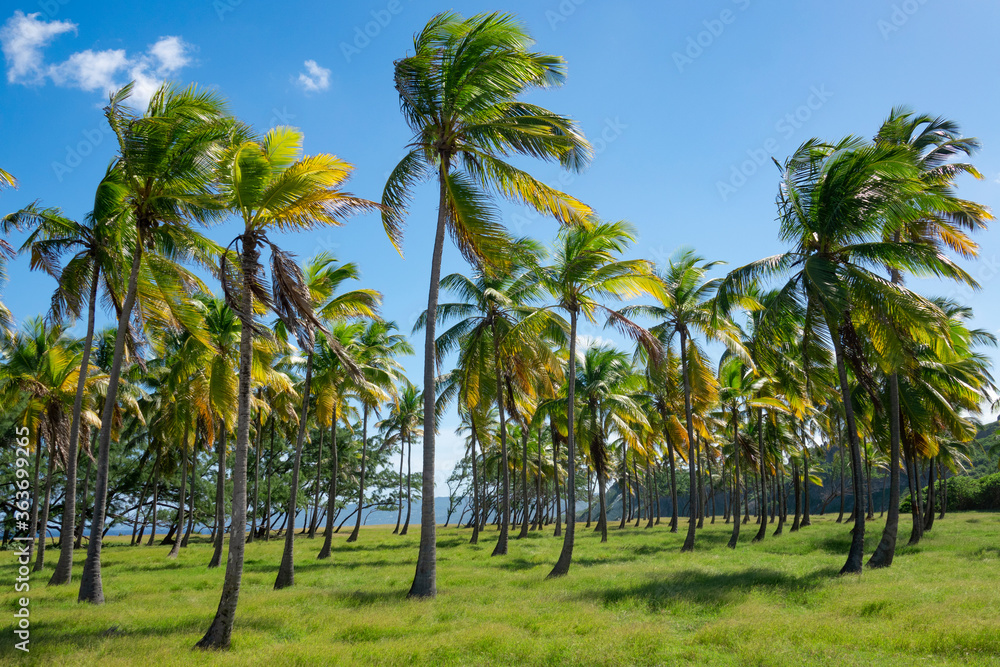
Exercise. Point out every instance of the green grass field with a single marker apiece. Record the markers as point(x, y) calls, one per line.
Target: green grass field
point(634, 600)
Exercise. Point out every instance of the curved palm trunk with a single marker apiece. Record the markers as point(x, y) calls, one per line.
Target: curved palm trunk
point(566, 555)
point(524, 481)
point(176, 548)
point(256, 483)
point(220, 502)
point(555, 476)
point(856, 553)
point(501, 547)
point(83, 504)
point(843, 483)
point(425, 578)
point(409, 486)
point(806, 521)
point(673, 482)
point(314, 524)
point(475, 486)
point(699, 473)
point(929, 513)
point(64, 568)
point(361, 480)
point(331, 498)
point(736, 481)
point(650, 481)
point(780, 500)
point(219, 633)
point(798, 498)
point(91, 585)
point(156, 502)
point(539, 518)
point(762, 531)
point(402, 456)
point(689, 539)
point(602, 521)
point(267, 503)
point(43, 521)
point(286, 572)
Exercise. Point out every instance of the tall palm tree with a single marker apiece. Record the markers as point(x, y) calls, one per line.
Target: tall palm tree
point(933, 144)
point(586, 270)
point(402, 426)
point(686, 307)
point(164, 168)
point(835, 203)
point(378, 349)
point(271, 186)
point(459, 95)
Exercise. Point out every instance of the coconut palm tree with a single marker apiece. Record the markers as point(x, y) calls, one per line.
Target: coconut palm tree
point(586, 270)
point(378, 348)
point(686, 307)
point(402, 426)
point(163, 167)
point(933, 144)
point(835, 203)
point(459, 95)
point(271, 186)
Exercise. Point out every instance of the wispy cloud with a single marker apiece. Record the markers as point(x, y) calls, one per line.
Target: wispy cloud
point(24, 37)
point(315, 78)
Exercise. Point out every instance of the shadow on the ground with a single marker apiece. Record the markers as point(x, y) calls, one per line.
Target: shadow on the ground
point(710, 589)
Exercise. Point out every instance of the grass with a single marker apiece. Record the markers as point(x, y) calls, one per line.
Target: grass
point(634, 601)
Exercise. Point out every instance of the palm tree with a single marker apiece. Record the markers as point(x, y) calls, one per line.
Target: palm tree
point(585, 270)
point(835, 203)
point(403, 426)
point(933, 143)
point(272, 187)
point(459, 95)
point(686, 307)
point(163, 168)
point(378, 347)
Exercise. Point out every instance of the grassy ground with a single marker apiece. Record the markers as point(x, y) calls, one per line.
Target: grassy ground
point(634, 600)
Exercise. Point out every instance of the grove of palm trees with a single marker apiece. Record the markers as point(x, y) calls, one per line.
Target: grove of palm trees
point(231, 433)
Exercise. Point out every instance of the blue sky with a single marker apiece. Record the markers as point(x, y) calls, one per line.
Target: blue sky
point(685, 102)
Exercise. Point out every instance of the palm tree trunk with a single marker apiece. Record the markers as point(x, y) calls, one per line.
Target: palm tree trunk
point(425, 578)
point(539, 518)
point(314, 524)
point(602, 493)
point(267, 502)
point(409, 486)
point(736, 481)
point(91, 585)
point(931, 498)
point(43, 522)
point(286, 572)
point(256, 481)
point(566, 555)
point(64, 568)
point(361, 480)
point(220, 502)
point(331, 498)
point(176, 548)
point(780, 499)
point(219, 633)
point(501, 547)
point(843, 482)
point(806, 521)
point(944, 490)
point(475, 485)
point(33, 528)
point(762, 531)
point(190, 526)
point(402, 456)
point(590, 497)
point(524, 479)
point(156, 502)
point(673, 481)
point(689, 540)
point(555, 475)
point(797, 493)
point(699, 474)
point(84, 505)
point(868, 486)
point(854, 557)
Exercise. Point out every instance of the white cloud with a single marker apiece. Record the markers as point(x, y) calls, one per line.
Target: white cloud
point(89, 70)
point(22, 39)
point(318, 78)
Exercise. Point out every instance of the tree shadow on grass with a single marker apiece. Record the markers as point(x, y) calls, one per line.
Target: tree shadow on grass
point(517, 564)
point(331, 563)
point(711, 589)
